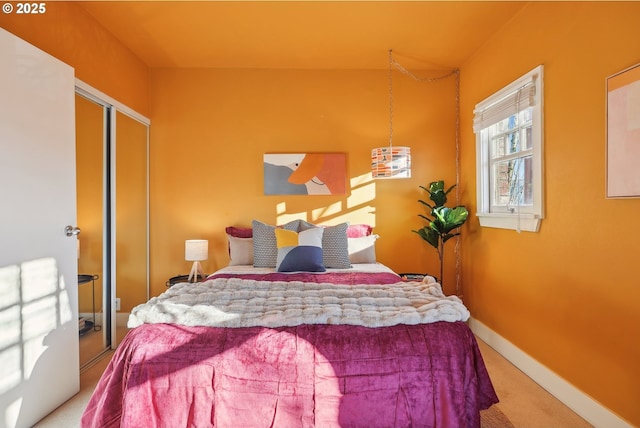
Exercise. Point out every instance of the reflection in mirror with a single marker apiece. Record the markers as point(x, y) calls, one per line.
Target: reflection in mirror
point(90, 148)
point(131, 206)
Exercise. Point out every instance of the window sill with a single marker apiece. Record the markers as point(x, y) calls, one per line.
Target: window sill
point(522, 222)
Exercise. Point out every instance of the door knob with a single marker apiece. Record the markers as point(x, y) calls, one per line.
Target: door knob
point(70, 230)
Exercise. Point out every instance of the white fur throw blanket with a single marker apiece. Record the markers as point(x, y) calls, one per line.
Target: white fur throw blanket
point(234, 302)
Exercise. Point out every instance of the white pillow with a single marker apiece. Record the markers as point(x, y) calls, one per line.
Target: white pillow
point(362, 249)
point(240, 251)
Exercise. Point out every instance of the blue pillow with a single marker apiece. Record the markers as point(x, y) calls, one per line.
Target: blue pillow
point(299, 252)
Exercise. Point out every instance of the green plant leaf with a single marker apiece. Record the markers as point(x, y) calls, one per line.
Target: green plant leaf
point(457, 216)
point(448, 236)
point(439, 198)
point(433, 238)
point(425, 203)
point(437, 193)
point(452, 218)
point(434, 186)
point(429, 235)
point(440, 214)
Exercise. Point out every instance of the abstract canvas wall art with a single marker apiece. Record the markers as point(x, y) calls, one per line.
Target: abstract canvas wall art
point(623, 134)
point(305, 174)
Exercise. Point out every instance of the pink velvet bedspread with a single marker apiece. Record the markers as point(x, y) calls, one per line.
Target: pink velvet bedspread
point(167, 375)
point(164, 375)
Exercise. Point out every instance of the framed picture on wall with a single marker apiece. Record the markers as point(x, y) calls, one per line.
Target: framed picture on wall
point(623, 134)
point(305, 174)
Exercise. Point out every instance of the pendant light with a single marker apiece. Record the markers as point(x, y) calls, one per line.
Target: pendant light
point(391, 161)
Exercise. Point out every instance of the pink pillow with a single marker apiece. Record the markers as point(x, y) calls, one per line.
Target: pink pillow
point(353, 231)
point(239, 232)
point(358, 230)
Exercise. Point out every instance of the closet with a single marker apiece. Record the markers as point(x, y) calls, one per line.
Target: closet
point(112, 152)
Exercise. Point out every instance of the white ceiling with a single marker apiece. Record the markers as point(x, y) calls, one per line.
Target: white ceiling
point(302, 34)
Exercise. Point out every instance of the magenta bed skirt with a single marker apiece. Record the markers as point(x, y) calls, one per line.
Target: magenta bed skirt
point(164, 375)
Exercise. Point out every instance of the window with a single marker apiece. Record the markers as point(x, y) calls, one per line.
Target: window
point(508, 127)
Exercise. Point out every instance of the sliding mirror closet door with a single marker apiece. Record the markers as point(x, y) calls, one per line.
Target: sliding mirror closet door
point(112, 170)
point(131, 217)
point(90, 190)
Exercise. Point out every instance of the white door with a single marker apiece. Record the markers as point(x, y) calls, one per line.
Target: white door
point(38, 262)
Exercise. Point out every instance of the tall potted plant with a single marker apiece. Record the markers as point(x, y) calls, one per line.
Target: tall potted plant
point(443, 222)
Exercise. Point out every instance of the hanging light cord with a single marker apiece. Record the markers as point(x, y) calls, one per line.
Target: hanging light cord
point(458, 248)
point(393, 63)
point(390, 99)
point(455, 72)
point(396, 64)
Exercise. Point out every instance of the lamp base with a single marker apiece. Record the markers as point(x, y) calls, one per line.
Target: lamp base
point(196, 270)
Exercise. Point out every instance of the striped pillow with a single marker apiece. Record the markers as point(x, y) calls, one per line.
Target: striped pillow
point(265, 250)
point(335, 246)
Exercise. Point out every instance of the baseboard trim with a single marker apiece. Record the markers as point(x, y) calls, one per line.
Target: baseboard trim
point(89, 316)
point(121, 319)
point(585, 406)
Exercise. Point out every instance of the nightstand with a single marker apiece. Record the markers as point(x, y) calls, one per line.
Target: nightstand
point(413, 276)
point(86, 325)
point(183, 278)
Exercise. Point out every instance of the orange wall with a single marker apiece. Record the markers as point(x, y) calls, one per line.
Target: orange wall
point(568, 295)
point(71, 35)
point(211, 128)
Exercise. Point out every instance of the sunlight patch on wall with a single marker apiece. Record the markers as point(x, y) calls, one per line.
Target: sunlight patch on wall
point(364, 215)
point(361, 180)
point(328, 211)
point(355, 208)
point(283, 217)
point(363, 193)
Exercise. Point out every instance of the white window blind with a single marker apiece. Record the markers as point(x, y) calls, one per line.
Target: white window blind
point(512, 103)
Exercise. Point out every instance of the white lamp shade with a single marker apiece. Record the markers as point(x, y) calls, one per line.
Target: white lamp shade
point(391, 162)
point(196, 249)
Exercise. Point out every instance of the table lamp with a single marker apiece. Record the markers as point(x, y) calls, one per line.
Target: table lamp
point(196, 250)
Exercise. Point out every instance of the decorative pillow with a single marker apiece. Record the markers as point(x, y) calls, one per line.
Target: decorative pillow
point(358, 230)
point(240, 251)
point(335, 248)
point(265, 251)
point(299, 252)
point(239, 232)
point(363, 249)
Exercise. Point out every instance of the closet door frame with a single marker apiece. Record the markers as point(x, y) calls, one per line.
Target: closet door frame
point(109, 251)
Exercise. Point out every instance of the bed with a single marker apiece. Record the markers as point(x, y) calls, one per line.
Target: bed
point(256, 347)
